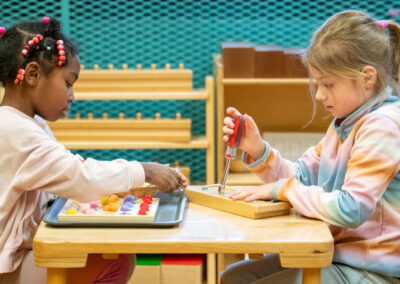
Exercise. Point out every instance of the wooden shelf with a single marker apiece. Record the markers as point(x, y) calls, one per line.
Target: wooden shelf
point(192, 95)
point(266, 81)
point(199, 142)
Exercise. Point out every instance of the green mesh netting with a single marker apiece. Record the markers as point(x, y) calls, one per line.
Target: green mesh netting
point(185, 31)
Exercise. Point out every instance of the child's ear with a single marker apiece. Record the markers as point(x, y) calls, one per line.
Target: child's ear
point(32, 73)
point(370, 76)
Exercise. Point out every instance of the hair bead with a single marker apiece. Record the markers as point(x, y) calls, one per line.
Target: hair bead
point(45, 20)
point(20, 76)
point(2, 31)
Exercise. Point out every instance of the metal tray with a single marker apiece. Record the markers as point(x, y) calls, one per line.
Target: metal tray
point(170, 213)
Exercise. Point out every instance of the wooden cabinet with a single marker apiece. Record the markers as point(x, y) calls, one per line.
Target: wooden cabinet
point(276, 105)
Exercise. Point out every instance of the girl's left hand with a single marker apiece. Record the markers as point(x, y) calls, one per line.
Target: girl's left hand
point(262, 192)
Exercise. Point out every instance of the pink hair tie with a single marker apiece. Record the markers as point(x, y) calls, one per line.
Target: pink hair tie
point(383, 23)
point(45, 20)
point(2, 31)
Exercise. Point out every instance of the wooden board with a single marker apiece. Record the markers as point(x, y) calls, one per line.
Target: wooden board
point(117, 216)
point(208, 196)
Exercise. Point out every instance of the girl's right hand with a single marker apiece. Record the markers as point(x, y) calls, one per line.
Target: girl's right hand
point(163, 176)
point(251, 141)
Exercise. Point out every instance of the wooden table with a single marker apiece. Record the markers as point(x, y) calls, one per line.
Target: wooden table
point(301, 242)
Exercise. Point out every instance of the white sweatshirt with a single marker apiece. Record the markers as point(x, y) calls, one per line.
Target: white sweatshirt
point(33, 165)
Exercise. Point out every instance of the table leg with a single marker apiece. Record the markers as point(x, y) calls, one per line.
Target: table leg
point(56, 275)
point(211, 268)
point(311, 276)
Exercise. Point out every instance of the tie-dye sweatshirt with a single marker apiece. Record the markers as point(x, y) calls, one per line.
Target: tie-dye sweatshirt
point(350, 180)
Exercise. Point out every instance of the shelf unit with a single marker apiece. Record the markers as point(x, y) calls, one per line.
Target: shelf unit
point(276, 104)
point(146, 85)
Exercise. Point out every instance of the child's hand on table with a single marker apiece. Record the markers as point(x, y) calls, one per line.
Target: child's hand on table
point(163, 176)
point(262, 192)
point(251, 141)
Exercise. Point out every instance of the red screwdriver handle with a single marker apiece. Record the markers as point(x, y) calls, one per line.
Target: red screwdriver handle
point(232, 138)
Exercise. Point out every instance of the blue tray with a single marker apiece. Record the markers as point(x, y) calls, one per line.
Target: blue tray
point(171, 209)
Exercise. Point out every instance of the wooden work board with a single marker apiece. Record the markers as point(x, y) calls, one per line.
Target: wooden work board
point(208, 196)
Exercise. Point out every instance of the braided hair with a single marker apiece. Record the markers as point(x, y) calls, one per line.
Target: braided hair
point(45, 52)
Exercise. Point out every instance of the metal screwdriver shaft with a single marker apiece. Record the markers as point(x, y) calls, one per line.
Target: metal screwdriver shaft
point(230, 153)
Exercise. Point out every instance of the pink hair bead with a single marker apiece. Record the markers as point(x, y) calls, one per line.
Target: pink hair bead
point(45, 20)
point(24, 52)
point(2, 30)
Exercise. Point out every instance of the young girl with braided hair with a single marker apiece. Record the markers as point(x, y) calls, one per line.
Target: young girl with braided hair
point(351, 179)
point(38, 67)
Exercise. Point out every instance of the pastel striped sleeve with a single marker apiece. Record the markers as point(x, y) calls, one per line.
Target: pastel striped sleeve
point(271, 166)
point(374, 162)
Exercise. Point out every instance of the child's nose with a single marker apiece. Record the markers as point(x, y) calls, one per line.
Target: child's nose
point(319, 96)
point(71, 96)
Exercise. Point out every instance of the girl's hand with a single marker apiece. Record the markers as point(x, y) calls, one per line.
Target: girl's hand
point(163, 176)
point(263, 192)
point(251, 141)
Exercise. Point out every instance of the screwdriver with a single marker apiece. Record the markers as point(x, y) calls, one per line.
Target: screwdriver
point(233, 143)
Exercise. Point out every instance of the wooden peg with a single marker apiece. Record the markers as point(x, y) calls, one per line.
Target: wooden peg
point(139, 67)
point(77, 115)
point(90, 115)
point(153, 67)
point(105, 115)
point(110, 66)
point(138, 115)
point(82, 67)
point(125, 66)
point(96, 67)
point(167, 66)
point(181, 67)
point(178, 115)
point(158, 115)
point(121, 115)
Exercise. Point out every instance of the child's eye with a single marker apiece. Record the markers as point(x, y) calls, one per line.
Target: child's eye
point(328, 86)
point(68, 84)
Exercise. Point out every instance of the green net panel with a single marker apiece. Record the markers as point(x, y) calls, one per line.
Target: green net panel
point(194, 158)
point(159, 32)
point(185, 31)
